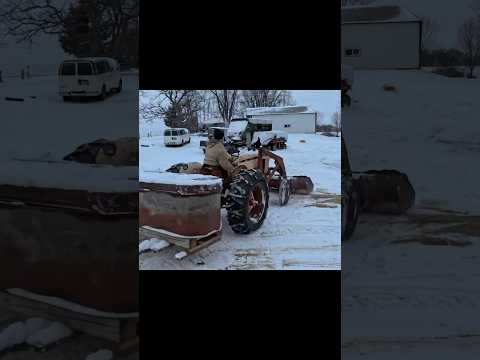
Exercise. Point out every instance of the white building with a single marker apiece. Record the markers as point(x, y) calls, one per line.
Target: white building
point(380, 37)
point(293, 119)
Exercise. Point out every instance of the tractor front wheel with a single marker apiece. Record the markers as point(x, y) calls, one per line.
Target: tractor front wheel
point(247, 201)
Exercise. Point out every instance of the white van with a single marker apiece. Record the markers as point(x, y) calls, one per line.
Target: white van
point(89, 77)
point(176, 137)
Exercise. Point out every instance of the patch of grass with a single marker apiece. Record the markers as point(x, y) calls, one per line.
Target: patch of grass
point(320, 204)
point(464, 224)
point(325, 200)
point(322, 195)
point(454, 223)
point(389, 87)
point(434, 241)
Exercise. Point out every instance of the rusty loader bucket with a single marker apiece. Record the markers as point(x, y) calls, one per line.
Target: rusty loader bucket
point(385, 191)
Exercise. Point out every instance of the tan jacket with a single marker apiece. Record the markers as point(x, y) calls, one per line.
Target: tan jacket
point(216, 155)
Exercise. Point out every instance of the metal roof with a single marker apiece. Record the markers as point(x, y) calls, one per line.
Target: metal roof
point(376, 14)
point(277, 110)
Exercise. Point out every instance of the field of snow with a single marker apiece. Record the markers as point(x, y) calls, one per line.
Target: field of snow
point(297, 236)
point(48, 127)
point(410, 283)
point(45, 127)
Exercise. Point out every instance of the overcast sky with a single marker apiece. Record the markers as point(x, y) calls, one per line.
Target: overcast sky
point(324, 101)
point(449, 15)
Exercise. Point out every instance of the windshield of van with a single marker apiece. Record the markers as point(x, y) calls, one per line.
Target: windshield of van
point(167, 133)
point(68, 69)
point(84, 68)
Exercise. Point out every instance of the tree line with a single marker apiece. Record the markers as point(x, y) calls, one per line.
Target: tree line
point(187, 108)
point(84, 27)
point(468, 53)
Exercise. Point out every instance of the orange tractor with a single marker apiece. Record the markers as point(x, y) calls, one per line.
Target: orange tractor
point(245, 194)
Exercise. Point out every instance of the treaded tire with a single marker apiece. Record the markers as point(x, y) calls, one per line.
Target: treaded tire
point(120, 86)
point(246, 184)
point(103, 94)
point(350, 207)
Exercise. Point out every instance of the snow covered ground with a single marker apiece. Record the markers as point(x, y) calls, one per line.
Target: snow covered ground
point(297, 236)
point(46, 126)
point(410, 283)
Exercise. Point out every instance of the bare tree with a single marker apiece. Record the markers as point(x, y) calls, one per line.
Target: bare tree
point(320, 117)
point(176, 105)
point(336, 121)
point(208, 105)
point(226, 103)
point(26, 19)
point(469, 38)
point(266, 98)
point(356, 2)
point(108, 26)
point(429, 31)
point(475, 6)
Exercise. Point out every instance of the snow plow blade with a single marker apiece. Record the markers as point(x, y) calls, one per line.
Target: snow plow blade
point(301, 185)
point(385, 191)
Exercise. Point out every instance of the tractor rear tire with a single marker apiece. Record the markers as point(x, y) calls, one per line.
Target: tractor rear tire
point(350, 206)
point(247, 201)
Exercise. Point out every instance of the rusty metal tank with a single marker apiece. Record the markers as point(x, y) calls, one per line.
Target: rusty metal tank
point(181, 204)
point(63, 235)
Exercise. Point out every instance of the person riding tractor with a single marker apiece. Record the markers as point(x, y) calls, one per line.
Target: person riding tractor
point(217, 160)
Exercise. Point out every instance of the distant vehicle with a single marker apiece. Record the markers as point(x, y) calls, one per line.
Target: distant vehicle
point(96, 77)
point(253, 134)
point(236, 131)
point(176, 137)
point(270, 139)
point(206, 127)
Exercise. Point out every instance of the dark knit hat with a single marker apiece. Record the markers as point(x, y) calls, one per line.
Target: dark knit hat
point(218, 134)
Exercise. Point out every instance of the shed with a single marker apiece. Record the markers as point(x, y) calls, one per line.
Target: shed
point(381, 37)
point(292, 119)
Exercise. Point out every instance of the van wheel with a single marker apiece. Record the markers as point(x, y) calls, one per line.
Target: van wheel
point(120, 85)
point(103, 95)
